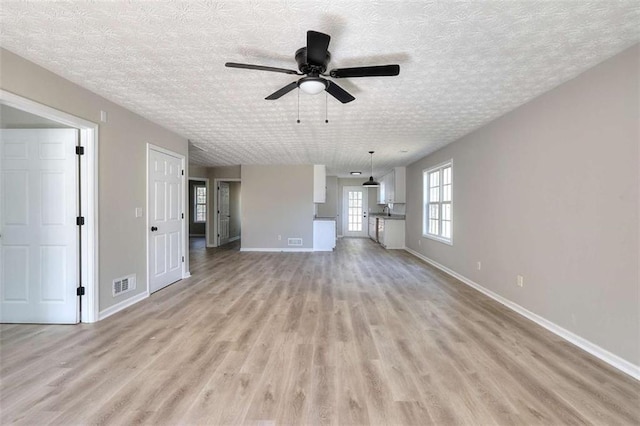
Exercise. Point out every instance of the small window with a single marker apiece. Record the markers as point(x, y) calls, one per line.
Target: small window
point(438, 212)
point(200, 204)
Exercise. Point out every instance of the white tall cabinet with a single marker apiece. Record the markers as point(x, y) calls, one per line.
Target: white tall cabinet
point(319, 184)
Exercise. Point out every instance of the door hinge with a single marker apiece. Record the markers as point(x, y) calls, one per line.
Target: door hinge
point(183, 215)
point(183, 173)
point(79, 150)
point(218, 235)
point(80, 291)
point(80, 220)
point(183, 258)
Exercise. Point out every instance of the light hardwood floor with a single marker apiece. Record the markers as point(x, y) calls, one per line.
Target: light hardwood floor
point(358, 336)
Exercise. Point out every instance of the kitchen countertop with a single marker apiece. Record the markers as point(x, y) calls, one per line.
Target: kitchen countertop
point(386, 217)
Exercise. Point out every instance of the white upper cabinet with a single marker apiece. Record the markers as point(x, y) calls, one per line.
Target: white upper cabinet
point(319, 184)
point(393, 187)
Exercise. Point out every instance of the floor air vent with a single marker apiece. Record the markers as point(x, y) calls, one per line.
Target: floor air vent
point(294, 241)
point(124, 284)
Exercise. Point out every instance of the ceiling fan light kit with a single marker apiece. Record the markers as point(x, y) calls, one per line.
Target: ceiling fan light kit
point(312, 85)
point(312, 62)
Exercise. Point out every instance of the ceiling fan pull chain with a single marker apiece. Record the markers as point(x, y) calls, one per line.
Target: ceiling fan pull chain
point(298, 106)
point(326, 107)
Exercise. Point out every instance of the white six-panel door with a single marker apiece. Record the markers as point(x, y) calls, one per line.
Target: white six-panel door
point(165, 219)
point(38, 231)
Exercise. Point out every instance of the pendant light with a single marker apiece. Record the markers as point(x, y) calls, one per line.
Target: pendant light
point(371, 182)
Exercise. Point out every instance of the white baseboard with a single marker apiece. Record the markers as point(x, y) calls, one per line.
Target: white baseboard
point(122, 305)
point(584, 344)
point(186, 275)
point(285, 250)
point(234, 239)
point(196, 235)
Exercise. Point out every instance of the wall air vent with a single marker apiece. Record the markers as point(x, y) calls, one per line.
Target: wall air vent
point(294, 241)
point(124, 284)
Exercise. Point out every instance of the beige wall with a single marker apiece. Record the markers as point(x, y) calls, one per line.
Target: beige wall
point(277, 200)
point(122, 166)
point(198, 171)
point(551, 191)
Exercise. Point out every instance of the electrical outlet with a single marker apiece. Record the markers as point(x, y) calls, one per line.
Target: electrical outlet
point(479, 265)
point(520, 281)
point(279, 237)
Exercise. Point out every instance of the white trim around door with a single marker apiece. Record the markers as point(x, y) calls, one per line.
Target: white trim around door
point(88, 193)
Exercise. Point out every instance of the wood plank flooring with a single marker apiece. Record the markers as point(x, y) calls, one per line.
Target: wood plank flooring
point(358, 336)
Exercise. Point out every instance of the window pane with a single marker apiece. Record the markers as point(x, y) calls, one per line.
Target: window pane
point(446, 212)
point(446, 178)
point(446, 229)
point(434, 179)
point(434, 194)
point(433, 227)
point(446, 193)
point(433, 211)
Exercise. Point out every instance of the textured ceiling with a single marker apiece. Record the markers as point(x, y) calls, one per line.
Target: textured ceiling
point(462, 65)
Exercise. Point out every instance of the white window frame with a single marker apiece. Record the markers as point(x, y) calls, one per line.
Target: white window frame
point(427, 203)
point(195, 203)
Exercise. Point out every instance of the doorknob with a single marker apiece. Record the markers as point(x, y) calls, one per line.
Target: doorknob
point(154, 228)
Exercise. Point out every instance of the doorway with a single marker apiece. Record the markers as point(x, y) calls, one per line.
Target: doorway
point(48, 214)
point(228, 226)
point(165, 217)
point(198, 212)
point(354, 211)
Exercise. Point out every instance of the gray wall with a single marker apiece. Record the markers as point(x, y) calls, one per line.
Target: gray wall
point(330, 207)
point(198, 171)
point(277, 200)
point(122, 166)
point(372, 196)
point(234, 209)
point(195, 228)
point(551, 191)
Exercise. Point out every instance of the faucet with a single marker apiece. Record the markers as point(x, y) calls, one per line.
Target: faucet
point(388, 210)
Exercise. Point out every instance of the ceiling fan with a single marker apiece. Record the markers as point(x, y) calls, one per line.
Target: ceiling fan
point(312, 62)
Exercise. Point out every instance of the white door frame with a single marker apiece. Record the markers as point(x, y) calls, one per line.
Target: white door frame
point(365, 210)
point(190, 209)
point(89, 180)
point(185, 231)
point(215, 209)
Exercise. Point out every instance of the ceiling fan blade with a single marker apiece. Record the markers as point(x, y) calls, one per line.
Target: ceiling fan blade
point(280, 92)
point(317, 45)
point(339, 93)
point(375, 71)
point(260, 68)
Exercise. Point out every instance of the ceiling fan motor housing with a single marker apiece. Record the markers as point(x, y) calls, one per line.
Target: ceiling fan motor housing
point(311, 69)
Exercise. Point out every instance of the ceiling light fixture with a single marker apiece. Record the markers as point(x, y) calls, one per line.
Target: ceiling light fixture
point(355, 173)
point(312, 85)
point(371, 182)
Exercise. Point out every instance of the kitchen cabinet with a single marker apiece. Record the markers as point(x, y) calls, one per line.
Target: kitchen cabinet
point(391, 233)
point(324, 234)
point(319, 184)
point(392, 187)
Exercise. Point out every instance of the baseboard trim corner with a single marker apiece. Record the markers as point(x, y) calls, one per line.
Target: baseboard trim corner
point(584, 344)
point(122, 305)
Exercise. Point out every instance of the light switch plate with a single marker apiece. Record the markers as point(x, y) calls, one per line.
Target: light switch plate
point(138, 211)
